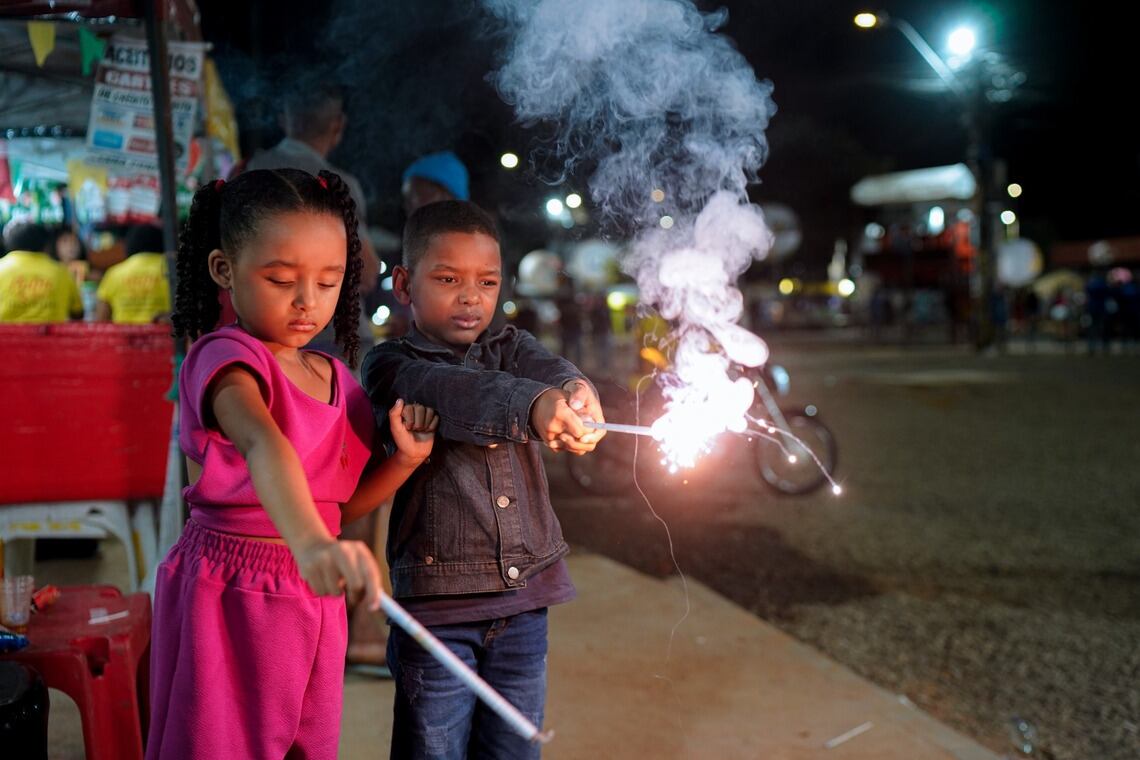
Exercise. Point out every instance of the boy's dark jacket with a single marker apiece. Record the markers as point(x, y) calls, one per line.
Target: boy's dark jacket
point(476, 516)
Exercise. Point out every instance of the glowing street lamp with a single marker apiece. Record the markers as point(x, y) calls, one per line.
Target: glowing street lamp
point(962, 41)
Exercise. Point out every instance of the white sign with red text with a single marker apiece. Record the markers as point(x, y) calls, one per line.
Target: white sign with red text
point(120, 132)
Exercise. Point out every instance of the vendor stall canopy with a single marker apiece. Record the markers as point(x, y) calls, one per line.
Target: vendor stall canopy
point(52, 97)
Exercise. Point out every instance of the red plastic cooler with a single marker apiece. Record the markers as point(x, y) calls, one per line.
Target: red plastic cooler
point(84, 411)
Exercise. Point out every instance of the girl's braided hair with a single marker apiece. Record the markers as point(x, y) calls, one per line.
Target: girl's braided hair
point(229, 215)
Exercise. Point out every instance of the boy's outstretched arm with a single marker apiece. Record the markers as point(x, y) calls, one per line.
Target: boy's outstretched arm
point(413, 429)
point(474, 406)
point(537, 362)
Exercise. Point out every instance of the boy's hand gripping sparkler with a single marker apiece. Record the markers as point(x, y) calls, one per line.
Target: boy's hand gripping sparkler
point(504, 709)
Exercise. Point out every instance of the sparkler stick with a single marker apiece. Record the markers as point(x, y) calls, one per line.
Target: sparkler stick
point(459, 669)
point(617, 427)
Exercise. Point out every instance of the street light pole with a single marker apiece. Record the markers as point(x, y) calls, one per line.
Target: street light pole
point(978, 158)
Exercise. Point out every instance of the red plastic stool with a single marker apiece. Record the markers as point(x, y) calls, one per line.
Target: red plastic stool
point(103, 666)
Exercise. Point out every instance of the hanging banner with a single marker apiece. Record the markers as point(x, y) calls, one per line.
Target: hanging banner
point(42, 36)
point(220, 120)
point(91, 49)
point(120, 133)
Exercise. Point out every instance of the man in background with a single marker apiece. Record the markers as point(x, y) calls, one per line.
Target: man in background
point(314, 122)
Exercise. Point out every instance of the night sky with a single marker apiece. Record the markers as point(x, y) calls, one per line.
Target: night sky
point(850, 102)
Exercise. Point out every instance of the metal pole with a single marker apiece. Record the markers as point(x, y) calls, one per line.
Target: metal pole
point(155, 11)
point(163, 127)
point(981, 162)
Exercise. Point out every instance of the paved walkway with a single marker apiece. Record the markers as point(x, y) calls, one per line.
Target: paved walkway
point(725, 685)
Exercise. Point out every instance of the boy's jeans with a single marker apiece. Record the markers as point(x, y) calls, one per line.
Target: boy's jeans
point(437, 717)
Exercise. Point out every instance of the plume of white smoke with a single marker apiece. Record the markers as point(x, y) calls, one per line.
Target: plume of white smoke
point(649, 91)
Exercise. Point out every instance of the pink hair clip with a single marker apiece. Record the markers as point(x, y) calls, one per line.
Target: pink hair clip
point(218, 185)
point(324, 182)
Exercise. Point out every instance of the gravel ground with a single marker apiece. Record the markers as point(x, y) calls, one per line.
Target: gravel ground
point(984, 559)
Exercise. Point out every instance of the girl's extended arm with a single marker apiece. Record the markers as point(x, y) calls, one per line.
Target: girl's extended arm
point(278, 478)
point(413, 430)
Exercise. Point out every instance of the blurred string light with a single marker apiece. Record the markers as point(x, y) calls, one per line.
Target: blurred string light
point(874, 231)
point(666, 222)
point(510, 308)
point(787, 286)
point(866, 20)
point(573, 200)
point(554, 208)
point(846, 287)
point(1008, 217)
point(616, 300)
point(381, 315)
point(509, 160)
point(386, 283)
point(383, 266)
point(1014, 190)
point(658, 195)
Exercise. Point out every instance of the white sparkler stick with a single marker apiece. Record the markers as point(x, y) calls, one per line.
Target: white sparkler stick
point(459, 669)
point(616, 427)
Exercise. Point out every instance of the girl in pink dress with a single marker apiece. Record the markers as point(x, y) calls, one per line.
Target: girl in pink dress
point(249, 637)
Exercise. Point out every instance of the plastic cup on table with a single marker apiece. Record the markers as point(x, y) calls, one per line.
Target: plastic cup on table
point(16, 602)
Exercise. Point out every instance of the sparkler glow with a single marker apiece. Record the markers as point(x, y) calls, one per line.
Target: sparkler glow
point(686, 430)
point(672, 118)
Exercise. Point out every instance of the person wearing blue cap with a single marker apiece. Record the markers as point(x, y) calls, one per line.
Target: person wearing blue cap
point(434, 177)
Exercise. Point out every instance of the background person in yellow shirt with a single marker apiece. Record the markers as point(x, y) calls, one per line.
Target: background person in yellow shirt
point(136, 291)
point(33, 287)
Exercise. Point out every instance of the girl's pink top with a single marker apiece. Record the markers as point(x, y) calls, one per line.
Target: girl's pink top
point(333, 440)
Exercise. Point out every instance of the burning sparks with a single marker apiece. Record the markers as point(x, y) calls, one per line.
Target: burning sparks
point(702, 405)
point(695, 417)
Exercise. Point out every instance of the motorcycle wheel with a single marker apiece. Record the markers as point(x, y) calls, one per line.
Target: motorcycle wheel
point(804, 475)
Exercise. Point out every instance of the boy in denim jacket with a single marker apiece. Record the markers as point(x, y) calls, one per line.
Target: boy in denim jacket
point(475, 549)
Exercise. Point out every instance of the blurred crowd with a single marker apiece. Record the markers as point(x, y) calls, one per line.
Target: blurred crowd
point(49, 274)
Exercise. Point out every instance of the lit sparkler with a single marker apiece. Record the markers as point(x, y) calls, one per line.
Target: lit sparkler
point(693, 419)
point(617, 427)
